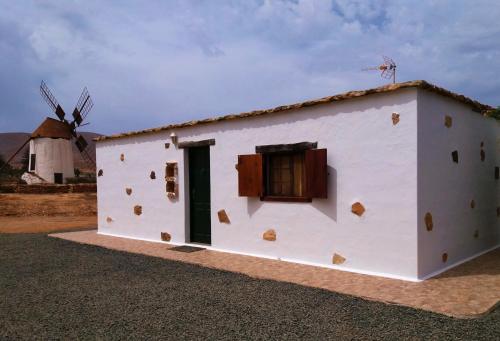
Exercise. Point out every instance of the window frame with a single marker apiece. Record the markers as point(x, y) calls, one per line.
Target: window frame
point(32, 162)
point(268, 181)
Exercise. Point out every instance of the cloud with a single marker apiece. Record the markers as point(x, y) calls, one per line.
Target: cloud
point(149, 64)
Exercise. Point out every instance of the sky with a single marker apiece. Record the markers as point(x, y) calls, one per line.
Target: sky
point(152, 63)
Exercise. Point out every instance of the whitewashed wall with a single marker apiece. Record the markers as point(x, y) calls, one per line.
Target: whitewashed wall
point(370, 160)
point(446, 189)
point(52, 156)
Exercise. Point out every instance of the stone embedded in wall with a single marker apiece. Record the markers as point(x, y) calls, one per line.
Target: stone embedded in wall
point(167, 145)
point(122, 157)
point(497, 173)
point(100, 172)
point(476, 234)
point(395, 118)
point(109, 219)
point(128, 191)
point(152, 175)
point(137, 210)
point(472, 203)
point(337, 259)
point(448, 121)
point(444, 257)
point(428, 221)
point(223, 218)
point(165, 236)
point(454, 156)
point(269, 235)
point(483, 155)
point(358, 209)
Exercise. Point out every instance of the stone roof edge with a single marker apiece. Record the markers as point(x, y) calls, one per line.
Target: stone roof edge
point(421, 84)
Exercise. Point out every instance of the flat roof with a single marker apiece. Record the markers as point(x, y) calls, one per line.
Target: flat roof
point(420, 84)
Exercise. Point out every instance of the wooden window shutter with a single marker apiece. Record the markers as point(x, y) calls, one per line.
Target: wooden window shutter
point(250, 175)
point(316, 173)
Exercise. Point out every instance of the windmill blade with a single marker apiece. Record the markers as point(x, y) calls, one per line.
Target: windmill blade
point(51, 101)
point(81, 143)
point(83, 107)
point(17, 152)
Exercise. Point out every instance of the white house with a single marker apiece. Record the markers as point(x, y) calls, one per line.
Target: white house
point(51, 156)
point(399, 181)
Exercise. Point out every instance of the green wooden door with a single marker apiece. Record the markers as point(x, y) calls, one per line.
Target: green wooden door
point(199, 194)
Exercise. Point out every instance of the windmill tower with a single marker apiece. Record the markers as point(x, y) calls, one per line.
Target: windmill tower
point(50, 145)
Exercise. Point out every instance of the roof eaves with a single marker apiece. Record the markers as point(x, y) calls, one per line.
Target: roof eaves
point(421, 84)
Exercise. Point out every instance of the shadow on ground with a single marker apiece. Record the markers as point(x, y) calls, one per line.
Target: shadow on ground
point(52, 288)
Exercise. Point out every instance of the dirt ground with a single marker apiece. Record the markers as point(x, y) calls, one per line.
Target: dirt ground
point(30, 213)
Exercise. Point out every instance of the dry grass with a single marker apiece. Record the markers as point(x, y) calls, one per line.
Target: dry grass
point(30, 213)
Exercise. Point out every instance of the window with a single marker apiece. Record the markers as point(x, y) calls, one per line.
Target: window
point(58, 178)
point(292, 172)
point(284, 174)
point(32, 162)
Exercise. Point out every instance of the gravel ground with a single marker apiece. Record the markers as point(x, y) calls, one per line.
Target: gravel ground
point(55, 289)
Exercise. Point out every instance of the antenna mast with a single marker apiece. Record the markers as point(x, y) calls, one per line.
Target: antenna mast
point(388, 69)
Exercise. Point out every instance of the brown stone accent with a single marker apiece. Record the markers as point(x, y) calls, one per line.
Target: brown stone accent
point(100, 172)
point(337, 259)
point(472, 203)
point(128, 191)
point(428, 221)
point(420, 84)
point(269, 235)
point(358, 209)
point(476, 234)
point(395, 118)
point(223, 218)
point(138, 210)
point(483, 155)
point(165, 236)
point(109, 219)
point(444, 257)
point(448, 121)
point(152, 175)
point(454, 156)
point(122, 157)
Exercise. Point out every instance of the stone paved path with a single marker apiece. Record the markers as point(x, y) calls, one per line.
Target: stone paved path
point(469, 290)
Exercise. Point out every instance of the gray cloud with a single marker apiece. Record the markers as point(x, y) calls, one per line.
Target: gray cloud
point(149, 64)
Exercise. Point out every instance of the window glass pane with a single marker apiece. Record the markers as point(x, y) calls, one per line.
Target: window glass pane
point(286, 172)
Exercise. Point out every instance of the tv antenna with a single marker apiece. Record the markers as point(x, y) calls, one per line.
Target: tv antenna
point(388, 69)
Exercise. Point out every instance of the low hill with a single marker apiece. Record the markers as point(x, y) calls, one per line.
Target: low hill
point(10, 142)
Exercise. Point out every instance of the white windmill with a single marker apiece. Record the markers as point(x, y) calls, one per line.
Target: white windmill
point(50, 148)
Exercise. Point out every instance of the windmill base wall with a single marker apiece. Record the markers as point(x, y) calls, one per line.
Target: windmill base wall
point(52, 156)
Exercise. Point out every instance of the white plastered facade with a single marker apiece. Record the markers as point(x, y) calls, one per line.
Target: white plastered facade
point(370, 160)
point(53, 155)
